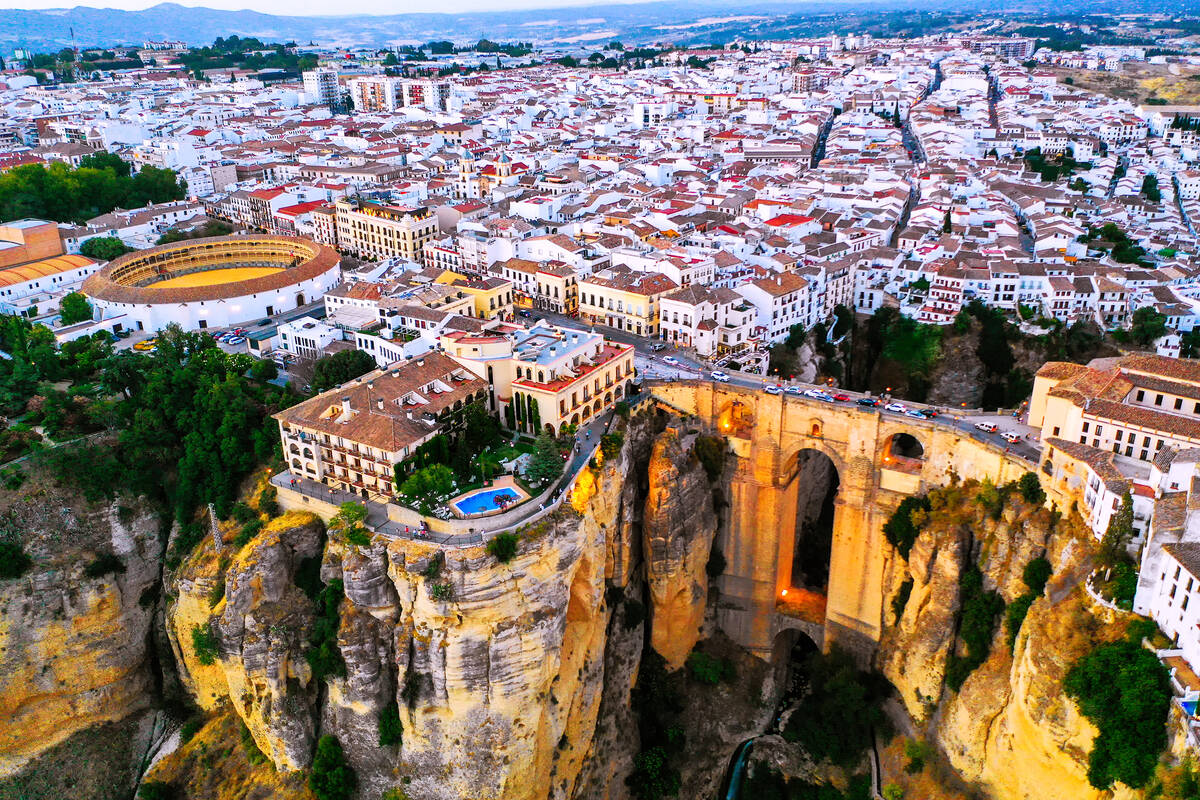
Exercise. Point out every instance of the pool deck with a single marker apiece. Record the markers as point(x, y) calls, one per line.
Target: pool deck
point(501, 482)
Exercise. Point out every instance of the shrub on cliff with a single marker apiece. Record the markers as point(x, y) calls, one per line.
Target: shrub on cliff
point(710, 669)
point(1124, 690)
point(901, 530)
point(390, 729)
point(156, 790)
point(13, 560)
point(977, 623)
point(503, 547)
point(204, 642)
point(711, 452)
point(323, 654)
point(331, 777)
point(1030, 487)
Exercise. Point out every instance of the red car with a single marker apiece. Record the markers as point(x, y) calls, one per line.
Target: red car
point(842, 398)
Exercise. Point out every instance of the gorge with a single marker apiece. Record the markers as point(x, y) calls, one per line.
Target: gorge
point(728, 527)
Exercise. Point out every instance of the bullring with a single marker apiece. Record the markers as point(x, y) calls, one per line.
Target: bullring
point(213, 282)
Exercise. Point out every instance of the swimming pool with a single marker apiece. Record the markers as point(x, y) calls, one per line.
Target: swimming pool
point(485, 500)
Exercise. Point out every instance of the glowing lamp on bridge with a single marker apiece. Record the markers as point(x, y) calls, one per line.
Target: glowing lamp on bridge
point(783, 593)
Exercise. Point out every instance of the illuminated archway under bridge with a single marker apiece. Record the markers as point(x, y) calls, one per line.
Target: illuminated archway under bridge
point(788, 453)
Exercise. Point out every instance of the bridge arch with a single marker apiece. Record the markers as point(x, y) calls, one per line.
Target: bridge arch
point(811, 483)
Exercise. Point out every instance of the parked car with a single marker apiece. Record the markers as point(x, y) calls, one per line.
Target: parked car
point(842, 398)
point(899, 408)
point(672, 360)
point(774, 388)
point(1010, 437)
point(236, 340)
point(913, 412)
point(654, 348)
point(795, 391)
point(718, 375)
point(867, 402)
point(986, 427)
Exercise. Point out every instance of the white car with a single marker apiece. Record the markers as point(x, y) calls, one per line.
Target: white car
point(672, 360)
point(719, 376)
point(986, 427)
point(793, 390)
point(899, 408)
point(1010, 437)
point(774, 388)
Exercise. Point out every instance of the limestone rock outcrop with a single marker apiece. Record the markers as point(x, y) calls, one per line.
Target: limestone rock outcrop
point(1010, 729)
point(677, 534)
point(261, 625)
point(74, 636)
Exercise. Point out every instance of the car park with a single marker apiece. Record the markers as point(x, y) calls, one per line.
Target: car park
point(774, 388)
point(986, 427)
point(718, 375)
point(899, 408)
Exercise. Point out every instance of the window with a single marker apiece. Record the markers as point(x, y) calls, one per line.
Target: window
point(1178, 403)
point(1141, 395)
point(1158, 400)
point(1086, 425)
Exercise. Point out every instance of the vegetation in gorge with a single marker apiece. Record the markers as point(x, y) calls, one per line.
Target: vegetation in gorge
point(657, 701)
point(323, 654)
point(977, 622)
point(1124, 690)
point(903, 526)
point(766, 783)
point(1034, 576)
point(331, 777)
point(843, 705)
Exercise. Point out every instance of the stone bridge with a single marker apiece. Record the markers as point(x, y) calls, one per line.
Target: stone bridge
point(792, 453)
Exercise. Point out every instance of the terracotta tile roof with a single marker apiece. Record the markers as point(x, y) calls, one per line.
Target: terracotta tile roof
point(389, 409)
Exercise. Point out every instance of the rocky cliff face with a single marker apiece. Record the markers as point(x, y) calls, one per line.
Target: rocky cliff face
point(74, 637)
point(1010, 729)
point(498, 670)
point(677, 534)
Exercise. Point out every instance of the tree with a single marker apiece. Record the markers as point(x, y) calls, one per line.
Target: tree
point(331, 777)
point(429, 483)
point(834, 719)
point(103, 248)
point(1146, 325)
point(1030, 487)
point(1118, 534)
point(1124, 690)
point(503, 547)
point(336, 369)
point(263, 370)
point(390, 729)
point(74, 308)
point(546, 462)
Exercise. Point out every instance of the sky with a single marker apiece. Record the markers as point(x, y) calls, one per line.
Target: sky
point(316, 7)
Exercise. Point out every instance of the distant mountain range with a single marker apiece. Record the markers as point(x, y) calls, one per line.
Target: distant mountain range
point(686, 21)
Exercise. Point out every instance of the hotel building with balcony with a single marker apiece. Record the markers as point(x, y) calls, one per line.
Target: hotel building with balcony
point(546, 377)
point(351, 438)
